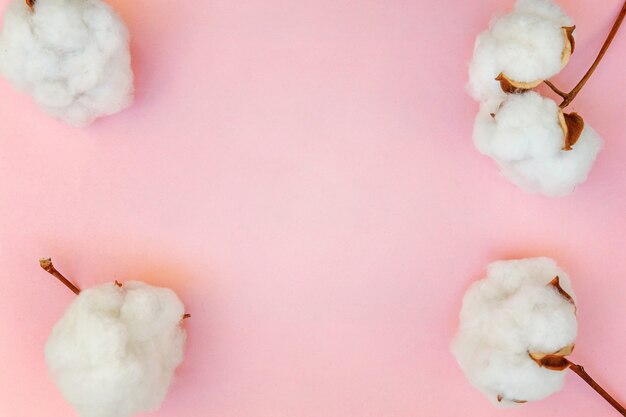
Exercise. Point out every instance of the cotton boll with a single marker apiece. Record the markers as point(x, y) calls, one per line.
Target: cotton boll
point(527, 46)
point(510, 313)
point(72, 56)
point(525, 138)
point(114, 352)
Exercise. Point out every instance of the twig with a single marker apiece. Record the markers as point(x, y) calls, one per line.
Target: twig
point(46, 264)
point(580, 371)
point(555, 89)
point(572, 94)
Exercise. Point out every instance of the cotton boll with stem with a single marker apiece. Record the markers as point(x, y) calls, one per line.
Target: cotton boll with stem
point(537, 146)
point(511, 312)
point(71, 56)
point(517, 327)
point(521, 49)
point(512, 129)
point(114, 352)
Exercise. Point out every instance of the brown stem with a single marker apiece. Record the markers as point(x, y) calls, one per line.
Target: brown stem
point(572, 94)
point(580, 371)
point(555, 89)
point(46, 264)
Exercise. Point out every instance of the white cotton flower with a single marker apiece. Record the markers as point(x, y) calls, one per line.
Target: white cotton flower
point(523, 134)
point(114, 352)
point(514, 311)
point(527, 46)
point(72, 56)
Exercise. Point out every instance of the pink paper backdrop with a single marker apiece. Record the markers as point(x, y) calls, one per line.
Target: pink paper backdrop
point(302, 174)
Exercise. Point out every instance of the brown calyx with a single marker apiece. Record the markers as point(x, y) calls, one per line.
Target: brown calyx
point(572, 125)
point(570, 44)
point(552, 362)
point(510, 86)
point(569, 34)
point(31, 4)
point(556, 361)
point(501, 397)
point(557, 285)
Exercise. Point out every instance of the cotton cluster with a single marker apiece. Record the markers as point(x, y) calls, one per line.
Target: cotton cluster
point(514, 311)
point(72, 56)
point(526, 46)
point(536, 145)
point(524, 135)
point(114, 352)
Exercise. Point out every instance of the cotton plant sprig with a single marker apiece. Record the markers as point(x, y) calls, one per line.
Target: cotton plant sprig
point(114, 351)
point(517, 327)
point(537, 144)
point(71, 56)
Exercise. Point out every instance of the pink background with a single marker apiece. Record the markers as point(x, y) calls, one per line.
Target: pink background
point(302, 174)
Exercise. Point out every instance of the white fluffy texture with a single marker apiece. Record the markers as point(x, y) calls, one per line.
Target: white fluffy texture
point(526, 140)
point(511, 312)
point(72, 56)
point(526, 45)
point(114, 352)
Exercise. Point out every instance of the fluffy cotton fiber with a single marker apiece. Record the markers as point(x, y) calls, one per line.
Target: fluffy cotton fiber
point(525, 45)
point(72, 56)
point(114, 352)
point(506, 315)
point(526, 140)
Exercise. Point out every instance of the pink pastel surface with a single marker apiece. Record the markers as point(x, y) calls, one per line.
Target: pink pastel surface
point(302, 174)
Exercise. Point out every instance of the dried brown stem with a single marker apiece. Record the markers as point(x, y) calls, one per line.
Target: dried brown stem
point(46, 264)
point(572, 94)
point(555, 89)
point(580, 371)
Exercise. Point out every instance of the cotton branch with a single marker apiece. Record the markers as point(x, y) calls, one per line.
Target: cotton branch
point(569, 97)
point(580, 371)
point(555, 89)
point(46, 264)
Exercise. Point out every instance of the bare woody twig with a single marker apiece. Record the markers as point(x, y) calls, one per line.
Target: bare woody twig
point(555, 89)
point(580, 371)
point(569, 97)
point(46, 264)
